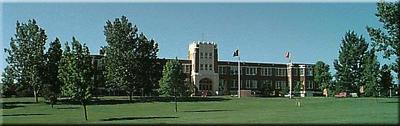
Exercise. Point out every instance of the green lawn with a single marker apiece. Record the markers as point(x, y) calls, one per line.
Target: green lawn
point(219, 110)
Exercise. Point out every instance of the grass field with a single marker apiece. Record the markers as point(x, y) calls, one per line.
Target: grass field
point(216, 110)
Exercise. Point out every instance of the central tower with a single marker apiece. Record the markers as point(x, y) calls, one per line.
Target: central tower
point(204, 57)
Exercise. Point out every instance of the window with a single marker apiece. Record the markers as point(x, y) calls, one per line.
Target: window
point(280, 84)
point(295, 71)
point(310, 85)
point(201, 55)
point(266, 71)
point(205, 55)
point(210, 66)
point(309, 72)
point(234, 70)
point(248, 84)
point(201, 66)
point(250, 70)
point(234, 84)
point(205, 67)
point(253, 83)
point(281, 72)
point(301, 71)
point(210, 55)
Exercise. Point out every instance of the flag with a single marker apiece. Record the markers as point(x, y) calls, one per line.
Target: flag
point(287, 54)
point(236, 53)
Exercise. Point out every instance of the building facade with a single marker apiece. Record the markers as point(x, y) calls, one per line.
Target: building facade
point(205, 73)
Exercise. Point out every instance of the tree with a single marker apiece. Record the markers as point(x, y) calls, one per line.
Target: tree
point(120, 62)
point(27, 55)
point(8, 82)
point(131, 59)
point(172, 80)
point(52, 84)
point(146, 56)
point(388, 41)
point(385, 79)
point(321, 75)
point(371, 74)
point(76, 73)
point(349, 65)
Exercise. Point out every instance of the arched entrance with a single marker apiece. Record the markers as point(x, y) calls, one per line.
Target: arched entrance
point(205, 84)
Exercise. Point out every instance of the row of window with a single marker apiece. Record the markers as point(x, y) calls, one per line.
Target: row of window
point(206, 67)
point(206, 55)
point(252, 84)
point(268, 71)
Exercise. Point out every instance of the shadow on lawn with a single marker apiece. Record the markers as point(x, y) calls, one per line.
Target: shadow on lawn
point(136, 118)
point(144, 100)
point(5, 106)
point(68, 108)
point(29, 114)
point(212, 110)
point(392, 102)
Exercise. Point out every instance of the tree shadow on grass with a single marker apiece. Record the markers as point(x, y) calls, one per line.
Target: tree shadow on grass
point(144, 100)
point(137, 118)
point(68, 108)
point(18, 102)
point(5, 106)
point(28, 114)
point(391, 102)
point(210, 110)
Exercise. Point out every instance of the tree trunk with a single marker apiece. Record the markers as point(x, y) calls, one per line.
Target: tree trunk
point(35, 94)
point(130, 96)
point(84, 109)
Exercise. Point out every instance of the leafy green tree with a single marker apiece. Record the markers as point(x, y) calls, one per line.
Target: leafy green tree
point(146, 57)
point(172, 80)
point(120, 62)
point(385, 79)
point(52, 84)
point(321, 75)
point(371, 74)
point(27, 54)
point(388, 41)
point(131, 59)
point(8, 82)
point(76, 73)
point(349, 65)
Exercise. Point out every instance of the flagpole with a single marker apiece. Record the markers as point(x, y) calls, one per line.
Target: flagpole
point(238, 75)
point(290, 87)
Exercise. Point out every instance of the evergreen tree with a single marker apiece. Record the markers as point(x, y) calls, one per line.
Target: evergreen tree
point(321, 74)
point(385, 80)
point(172, 80)
point(388, 41)
point(27, 54)
point(371, 74)
point(349, 65)
point(52, 85)
point(76, 73)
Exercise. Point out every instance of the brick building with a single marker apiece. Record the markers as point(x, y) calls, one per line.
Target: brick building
point(206, 73)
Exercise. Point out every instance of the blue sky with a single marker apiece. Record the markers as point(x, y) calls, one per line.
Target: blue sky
point(262, 31)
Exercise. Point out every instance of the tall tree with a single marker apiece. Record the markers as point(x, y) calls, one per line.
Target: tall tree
point(120, 62)
point(385, 80)
point(321, 74)
point(76, 73)
point(52, 84)
point(146, 56)
point(388, 41)
point(27, 47)
point(371, 74)
point(172, 81)
point(349, 65)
